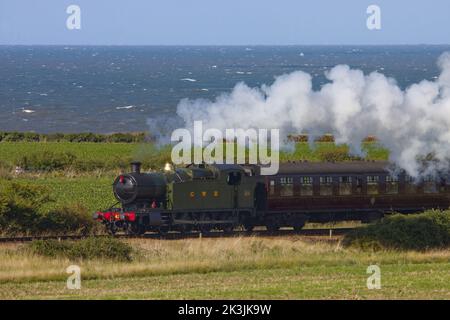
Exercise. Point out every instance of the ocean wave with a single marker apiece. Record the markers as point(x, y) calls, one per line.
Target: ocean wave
point(188, 79)
point(125, 107)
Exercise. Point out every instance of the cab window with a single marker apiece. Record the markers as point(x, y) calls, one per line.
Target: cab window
point(234, 178)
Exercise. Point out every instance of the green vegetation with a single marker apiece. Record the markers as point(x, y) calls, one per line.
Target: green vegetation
point(27, 208)
point(92, 192)
point(87, 157)
point(413, 232)
point(71, 137)
point(89, 248)
point(231, 268)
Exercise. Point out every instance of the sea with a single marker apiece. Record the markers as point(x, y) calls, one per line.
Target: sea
point(105, 89)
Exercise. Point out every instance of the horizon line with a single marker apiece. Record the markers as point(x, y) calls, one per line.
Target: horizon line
point(222, 45)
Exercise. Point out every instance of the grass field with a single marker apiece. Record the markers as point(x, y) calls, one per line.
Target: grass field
point(92, 192)
point(12, 152)
point(233, 268)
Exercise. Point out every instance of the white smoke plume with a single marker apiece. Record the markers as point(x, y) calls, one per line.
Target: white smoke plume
point(411, 123)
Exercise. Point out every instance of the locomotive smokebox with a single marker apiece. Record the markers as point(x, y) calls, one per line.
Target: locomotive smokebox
point(136, 167)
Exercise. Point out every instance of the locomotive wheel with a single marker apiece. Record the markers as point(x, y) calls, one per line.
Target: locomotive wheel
point(163, 230)
point(111, 229)
point(248, 227)
point(298, 226)
point(271, 227)
point(228, 228)
point(205, 227)
point(135, 229)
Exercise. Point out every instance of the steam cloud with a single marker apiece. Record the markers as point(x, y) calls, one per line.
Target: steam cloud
point(411, 123)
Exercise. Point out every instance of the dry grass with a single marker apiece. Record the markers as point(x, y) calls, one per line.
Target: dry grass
point(236, 267)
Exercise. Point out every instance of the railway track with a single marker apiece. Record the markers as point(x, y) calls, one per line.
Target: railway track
point(307, 234)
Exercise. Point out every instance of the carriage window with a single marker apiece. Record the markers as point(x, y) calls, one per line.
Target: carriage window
point(372, 184)
point(287, 187)
point(391, 185)
point(272, 187)
point(359, 185)
point(445, 184)
point(345, 186)
point(326, 186)
point(306, 188)
point(429, 185)
point(410, 185)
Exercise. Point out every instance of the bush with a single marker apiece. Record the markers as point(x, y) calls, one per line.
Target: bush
point(21, 212)
point(89, 248)
point(419, 231)
point(68, 219)
point(46, 161)
point(20, 206)
point(49, 248)
point(73, 137)
point(5, 170)
point(325, 138)
point(334, 155)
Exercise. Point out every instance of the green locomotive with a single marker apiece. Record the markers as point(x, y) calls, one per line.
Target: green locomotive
point(202, 197)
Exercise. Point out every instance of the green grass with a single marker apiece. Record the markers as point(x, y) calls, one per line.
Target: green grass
point(93, 193)
point(11, 152)
point(240, 268)
point(305, 151)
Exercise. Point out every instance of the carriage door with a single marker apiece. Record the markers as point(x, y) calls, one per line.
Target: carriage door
point(233, 180)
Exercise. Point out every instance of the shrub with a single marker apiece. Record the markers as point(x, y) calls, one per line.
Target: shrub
point(325, 138)
point(21, 212)
point(73, 137)
point(104, 247)
point(5, 170)
point(68, 219)
point(20, 206)
point(334, 155)
point(46, 161)
point(89, 248)
point(13, 136)
point(297, 138)
point(419, 231)
point(49, 248)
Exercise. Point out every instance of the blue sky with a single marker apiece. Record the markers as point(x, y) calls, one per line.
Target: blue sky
point(225, 22)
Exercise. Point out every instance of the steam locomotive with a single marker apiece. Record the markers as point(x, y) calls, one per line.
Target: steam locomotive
point(222, 197)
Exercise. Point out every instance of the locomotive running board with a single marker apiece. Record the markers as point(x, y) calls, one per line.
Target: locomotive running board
point(202, 222)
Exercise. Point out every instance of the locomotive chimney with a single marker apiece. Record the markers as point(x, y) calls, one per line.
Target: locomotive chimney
point(136, 167)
